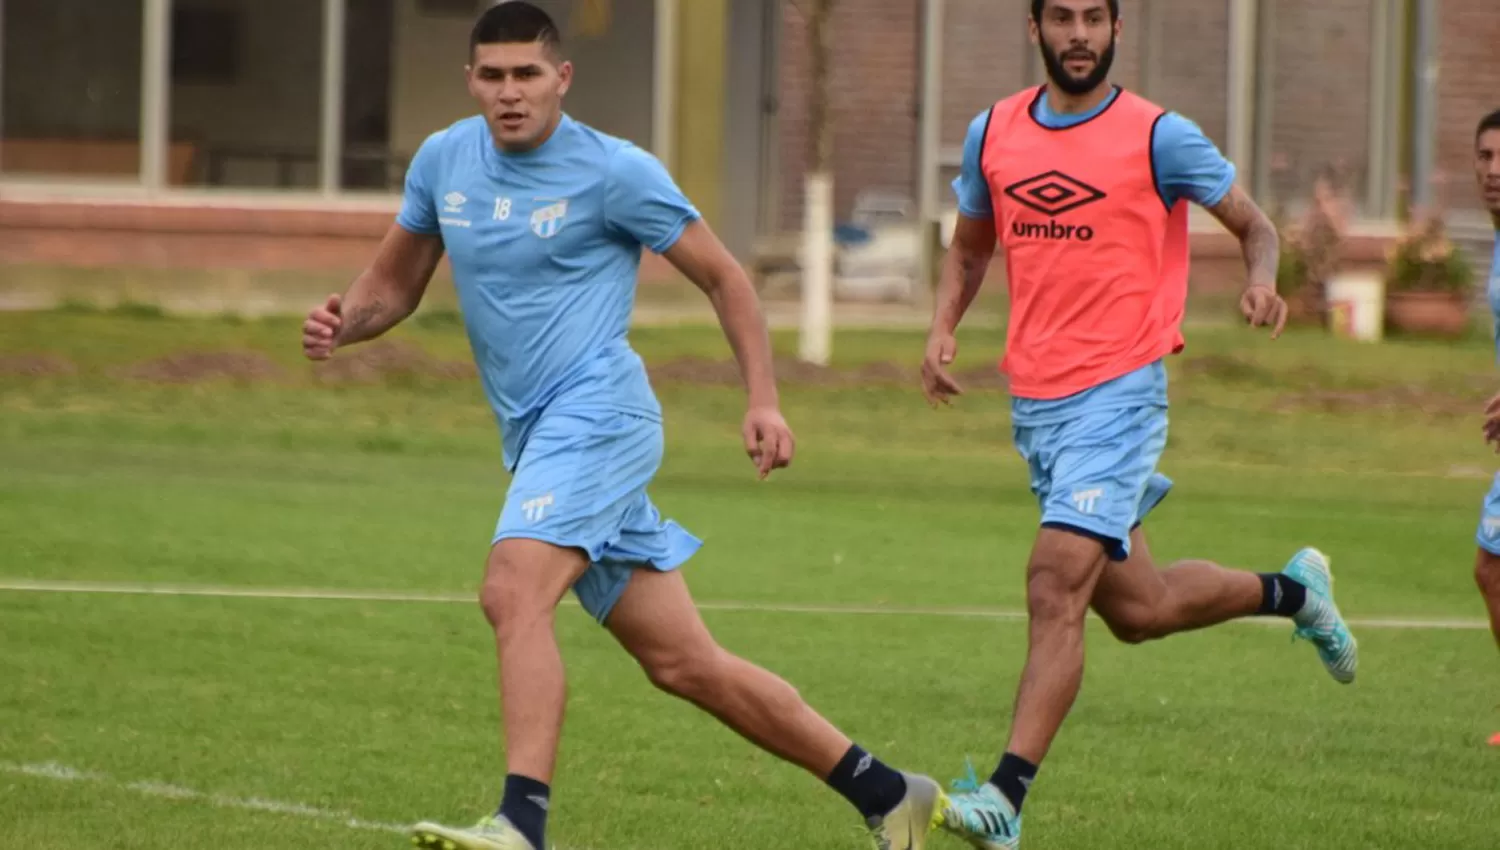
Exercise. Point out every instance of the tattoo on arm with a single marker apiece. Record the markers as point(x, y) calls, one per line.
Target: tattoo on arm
point(362, 320)
point(1259, 242)
point(1262, 249)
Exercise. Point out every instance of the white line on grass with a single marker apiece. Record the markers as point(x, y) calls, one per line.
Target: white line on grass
point(63, 773)
point(125, 588)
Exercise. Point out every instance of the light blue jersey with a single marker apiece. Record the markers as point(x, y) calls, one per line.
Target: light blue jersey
point(545, 248)
point(1092, 456)
point(1493, 291)
point(1488, 535)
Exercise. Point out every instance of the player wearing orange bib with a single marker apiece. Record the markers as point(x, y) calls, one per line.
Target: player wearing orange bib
point(1085, 187)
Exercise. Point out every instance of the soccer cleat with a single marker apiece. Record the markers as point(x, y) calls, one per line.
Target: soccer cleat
point(980, 815)
point(906, 826)
point(492, 833)
point(1319, 622)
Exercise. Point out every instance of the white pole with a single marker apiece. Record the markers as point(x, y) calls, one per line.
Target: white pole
point(331, 137)
point(816, 344)
point(156, 91)
point(817, 273)
point(1241, 112)
point(928, 143)
point(664, 82)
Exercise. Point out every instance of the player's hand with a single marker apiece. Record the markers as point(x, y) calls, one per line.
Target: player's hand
point(321, 329)
point(1262, 306)
point(768, 439)
point(937, 384)
point(1492, 422)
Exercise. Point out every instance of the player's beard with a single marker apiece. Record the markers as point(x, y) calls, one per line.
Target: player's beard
point(1073, 85)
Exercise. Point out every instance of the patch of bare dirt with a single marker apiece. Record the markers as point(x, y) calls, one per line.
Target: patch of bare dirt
point(700, 371)
point(386, 359)
point(1223, 367)
point(190, 367)
point(36, 365)
point(793, 372)
point(1409, 400)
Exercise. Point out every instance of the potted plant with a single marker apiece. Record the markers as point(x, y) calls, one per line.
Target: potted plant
point(1311, 249)
point(1429, 282)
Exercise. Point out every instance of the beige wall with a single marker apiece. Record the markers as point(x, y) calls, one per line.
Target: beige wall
point(427, 75)
point(613, 91)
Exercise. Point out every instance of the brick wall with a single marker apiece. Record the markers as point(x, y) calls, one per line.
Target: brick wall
point(874, 74)
point(1319, 82)
point(1468, 88)
point(1320, 93)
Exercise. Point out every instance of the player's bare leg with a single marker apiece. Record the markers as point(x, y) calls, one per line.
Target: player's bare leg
point(524, 581)
point(657, 623)
point(1139, 602)
point(1487, 576)
point(1060, 579)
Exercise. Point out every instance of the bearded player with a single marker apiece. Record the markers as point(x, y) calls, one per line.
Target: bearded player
point(1086, 188)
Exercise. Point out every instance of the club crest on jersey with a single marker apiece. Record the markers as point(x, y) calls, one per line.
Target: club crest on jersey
point(547, 221)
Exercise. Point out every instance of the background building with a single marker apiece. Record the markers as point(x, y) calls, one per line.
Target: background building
point(276, 132)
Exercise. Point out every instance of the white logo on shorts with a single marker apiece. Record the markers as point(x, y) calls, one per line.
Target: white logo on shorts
point(535, 509)
point(1084, 499)
point(1491, 526)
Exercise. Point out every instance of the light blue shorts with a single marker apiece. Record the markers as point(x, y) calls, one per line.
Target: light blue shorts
point(1095, 473)
point(581, 483)
point(1488, 535)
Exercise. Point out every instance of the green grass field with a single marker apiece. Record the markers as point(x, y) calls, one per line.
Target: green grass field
point(320, 659)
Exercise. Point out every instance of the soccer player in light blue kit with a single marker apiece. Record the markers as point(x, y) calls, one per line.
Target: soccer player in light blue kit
point(1097, 301)
point(544, 220)
point(1487, 566)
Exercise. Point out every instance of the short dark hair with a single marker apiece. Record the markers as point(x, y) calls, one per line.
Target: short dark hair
point(1038, 5)
point(515, 22)
point(1487, 123)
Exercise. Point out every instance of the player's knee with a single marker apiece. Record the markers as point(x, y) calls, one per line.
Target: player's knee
point(1134, 626)
point(509, 605)
point(687, 672)
point(1053, 595)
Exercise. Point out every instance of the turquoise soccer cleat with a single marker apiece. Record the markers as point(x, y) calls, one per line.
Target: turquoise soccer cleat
point(980, 815)
point(1319, 622)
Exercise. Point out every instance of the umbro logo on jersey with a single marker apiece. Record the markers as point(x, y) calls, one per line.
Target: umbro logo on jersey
point(1053, 194)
